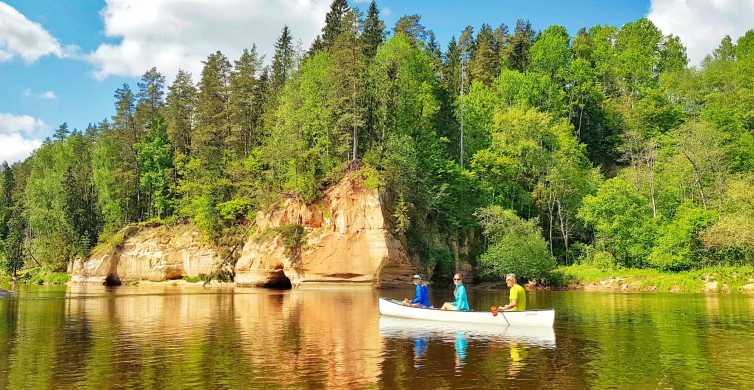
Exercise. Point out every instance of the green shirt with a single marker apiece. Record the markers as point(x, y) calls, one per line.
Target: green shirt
point(519, 295)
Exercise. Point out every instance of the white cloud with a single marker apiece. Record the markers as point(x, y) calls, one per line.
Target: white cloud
point(701, 24)
point(173, 34)
point(46, 95)
point(10, 123)
point(16, 148)
point(19, 136)
point(21, 37)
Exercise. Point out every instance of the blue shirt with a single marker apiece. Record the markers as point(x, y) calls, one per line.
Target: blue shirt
point(421, 296)
point(462, 303)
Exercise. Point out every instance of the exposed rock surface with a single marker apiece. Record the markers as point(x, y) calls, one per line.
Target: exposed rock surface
point(149, 253)
point(348, 239)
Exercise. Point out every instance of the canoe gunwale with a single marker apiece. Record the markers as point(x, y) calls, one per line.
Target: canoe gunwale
point(397, 302)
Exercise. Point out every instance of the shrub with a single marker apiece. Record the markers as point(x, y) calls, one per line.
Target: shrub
point(678, 246)
point(622, 221)
point(234, 209)
point(516, 246)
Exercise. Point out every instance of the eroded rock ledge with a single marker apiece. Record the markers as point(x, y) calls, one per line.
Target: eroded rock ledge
point(149, 253)
point(347, 239)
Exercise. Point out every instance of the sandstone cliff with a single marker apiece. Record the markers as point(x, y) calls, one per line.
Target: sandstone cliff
point(149, 253)
point(347, 239)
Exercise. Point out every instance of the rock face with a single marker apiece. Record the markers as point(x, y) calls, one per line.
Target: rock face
point(150, 253)
point(347, 239)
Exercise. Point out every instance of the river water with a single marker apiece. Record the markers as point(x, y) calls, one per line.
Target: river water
point(163, 337)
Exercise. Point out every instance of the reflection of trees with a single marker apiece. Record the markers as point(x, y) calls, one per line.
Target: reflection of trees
point(643, 341)
point(163, 338)
point(34, 329)
point(160, 337)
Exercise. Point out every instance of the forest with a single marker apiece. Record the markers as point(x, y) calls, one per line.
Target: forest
point(511, 149)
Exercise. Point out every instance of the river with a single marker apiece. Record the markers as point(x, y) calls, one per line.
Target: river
point(164, 337)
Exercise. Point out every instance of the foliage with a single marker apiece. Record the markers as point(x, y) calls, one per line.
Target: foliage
point(516, 246)
point(678, 246)
point(622, 222)
point(606, 144)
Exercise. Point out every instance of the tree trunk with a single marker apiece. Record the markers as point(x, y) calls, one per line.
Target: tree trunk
point(697, 179)
point(563, 229)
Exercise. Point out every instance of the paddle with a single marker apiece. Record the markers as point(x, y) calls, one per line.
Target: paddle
point(494, 310)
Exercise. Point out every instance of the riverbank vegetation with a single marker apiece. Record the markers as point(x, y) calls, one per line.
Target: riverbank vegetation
point(727, 279)
point(601, 148)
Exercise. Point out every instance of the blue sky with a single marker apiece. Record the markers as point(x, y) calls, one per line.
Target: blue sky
point(60, 61)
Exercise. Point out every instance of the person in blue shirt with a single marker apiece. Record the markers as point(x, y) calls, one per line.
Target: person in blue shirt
point(421, 296)
point(461, 302)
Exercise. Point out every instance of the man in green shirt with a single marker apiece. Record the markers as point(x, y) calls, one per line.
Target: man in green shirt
point(517, 298)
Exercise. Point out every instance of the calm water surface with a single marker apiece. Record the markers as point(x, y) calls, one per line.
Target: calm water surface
point(173, 338)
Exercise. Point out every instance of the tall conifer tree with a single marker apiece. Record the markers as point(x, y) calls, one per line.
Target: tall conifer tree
point(283, 60)
point(374, 31)
point(181, 111)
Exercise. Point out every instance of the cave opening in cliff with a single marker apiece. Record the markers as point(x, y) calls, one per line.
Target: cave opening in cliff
point(279, 281)
point(112, 280)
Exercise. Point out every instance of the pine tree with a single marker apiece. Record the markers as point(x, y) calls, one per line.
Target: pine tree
point(502, 40)
point(520, 42)
point(412, 27)
point(61, 132)
point(213, 124)
point(374, 31)
point(452, 69)
point(150, 96)
point(350, 69)
point(181, 112)
point(485, 66)
point(334, 22)
point(129, 134)
point(246, 104)
point(282, 61)
point(123, 120)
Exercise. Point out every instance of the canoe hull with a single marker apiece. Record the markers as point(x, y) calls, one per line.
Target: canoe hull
point(395, 327)
point(538, 318)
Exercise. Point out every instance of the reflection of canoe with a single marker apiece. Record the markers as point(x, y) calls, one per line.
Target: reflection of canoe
point(402, 327)
point(393, 308)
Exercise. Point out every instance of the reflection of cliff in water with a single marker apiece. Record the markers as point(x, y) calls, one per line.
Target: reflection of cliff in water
point(165, 337)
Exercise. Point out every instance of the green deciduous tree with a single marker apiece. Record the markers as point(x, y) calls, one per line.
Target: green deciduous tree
point(516, 246)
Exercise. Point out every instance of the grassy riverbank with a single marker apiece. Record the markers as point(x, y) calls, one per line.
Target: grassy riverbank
point(40, 276)
point(725, 279)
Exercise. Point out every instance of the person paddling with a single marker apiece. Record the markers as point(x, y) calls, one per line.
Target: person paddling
point(517, 296)
point(421, 296)
point(461, 302)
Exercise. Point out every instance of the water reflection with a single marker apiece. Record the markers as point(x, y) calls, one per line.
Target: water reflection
point(461, 346)
point(169, 338)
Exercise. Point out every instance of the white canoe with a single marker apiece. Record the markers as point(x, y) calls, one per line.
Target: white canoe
point(393, 308)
